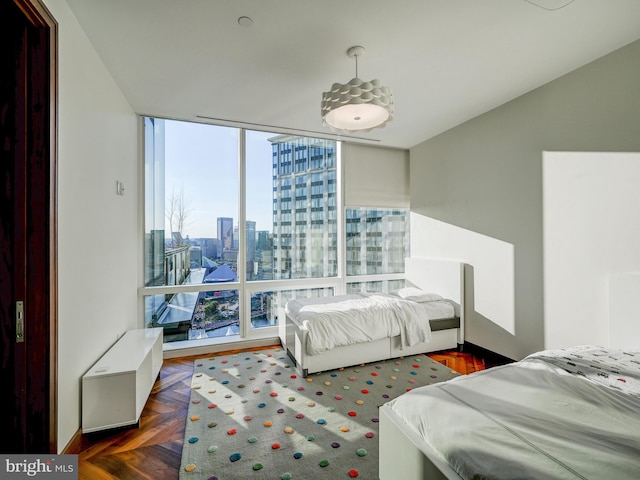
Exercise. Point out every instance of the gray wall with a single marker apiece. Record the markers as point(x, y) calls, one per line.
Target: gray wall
point(486, 176)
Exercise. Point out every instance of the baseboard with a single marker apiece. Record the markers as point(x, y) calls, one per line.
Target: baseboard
point(75, 444)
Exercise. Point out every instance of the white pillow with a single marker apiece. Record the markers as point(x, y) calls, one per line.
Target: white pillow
point(416, 294)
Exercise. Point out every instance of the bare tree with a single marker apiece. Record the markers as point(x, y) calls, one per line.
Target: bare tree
point(177, 211)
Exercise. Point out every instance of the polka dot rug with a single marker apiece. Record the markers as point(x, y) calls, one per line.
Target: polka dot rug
point(252, 416)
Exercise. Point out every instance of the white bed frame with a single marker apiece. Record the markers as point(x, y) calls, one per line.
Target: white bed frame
point(437, 275)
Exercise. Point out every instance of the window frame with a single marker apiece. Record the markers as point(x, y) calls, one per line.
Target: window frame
point(338, 284)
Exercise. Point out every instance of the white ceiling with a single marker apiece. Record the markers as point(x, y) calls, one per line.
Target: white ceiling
point(446, 61)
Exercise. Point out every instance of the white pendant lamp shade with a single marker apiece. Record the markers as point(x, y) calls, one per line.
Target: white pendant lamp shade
point(357, 105)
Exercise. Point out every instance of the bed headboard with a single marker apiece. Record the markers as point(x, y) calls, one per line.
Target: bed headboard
point(444, 276)
point(438, 275)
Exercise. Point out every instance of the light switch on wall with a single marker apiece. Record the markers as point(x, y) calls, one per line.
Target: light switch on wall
point(119, 187)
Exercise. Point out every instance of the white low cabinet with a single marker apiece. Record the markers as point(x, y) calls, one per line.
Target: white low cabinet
point(116, 388)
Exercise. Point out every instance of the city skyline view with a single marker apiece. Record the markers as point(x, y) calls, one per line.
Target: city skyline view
point(202, 161)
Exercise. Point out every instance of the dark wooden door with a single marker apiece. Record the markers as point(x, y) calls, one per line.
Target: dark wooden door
point(27, 229)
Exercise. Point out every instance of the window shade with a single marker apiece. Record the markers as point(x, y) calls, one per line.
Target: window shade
point(375, 176)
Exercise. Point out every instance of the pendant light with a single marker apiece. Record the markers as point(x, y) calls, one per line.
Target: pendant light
point(357, 105)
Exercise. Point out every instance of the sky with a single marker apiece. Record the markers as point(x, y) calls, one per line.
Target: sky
point(202, 162)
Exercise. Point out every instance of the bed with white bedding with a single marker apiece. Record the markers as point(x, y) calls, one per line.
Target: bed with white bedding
point(339, 331)
point(557, 414)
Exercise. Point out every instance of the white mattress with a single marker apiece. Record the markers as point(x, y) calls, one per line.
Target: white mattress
point(568, 414)
point(364, 317)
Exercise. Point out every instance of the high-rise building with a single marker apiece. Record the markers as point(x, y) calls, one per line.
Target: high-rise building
point(264, 255)
point(225, 235)
point(154, 263)
point(305, 218)
point(264, 240)
point(208, 246)
point(377, 240)
point(304, 207)
point(250, 235)
point(250, 241)
point(195, 256)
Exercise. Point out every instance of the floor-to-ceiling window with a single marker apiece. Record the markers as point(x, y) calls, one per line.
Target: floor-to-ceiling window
point(238, 222)
point(377, 242)
point(191, 203)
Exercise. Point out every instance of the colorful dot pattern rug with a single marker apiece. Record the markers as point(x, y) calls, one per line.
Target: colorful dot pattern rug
point(252, 416)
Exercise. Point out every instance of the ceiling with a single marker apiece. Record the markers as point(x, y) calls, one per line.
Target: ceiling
point(446, 61)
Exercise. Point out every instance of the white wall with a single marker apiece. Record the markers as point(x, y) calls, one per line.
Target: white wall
point(489, 290)
point(624, 309)
point(485, 176)
point(591, 248)
point(97, 230)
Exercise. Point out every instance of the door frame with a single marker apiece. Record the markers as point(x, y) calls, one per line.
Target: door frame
point(41, 334)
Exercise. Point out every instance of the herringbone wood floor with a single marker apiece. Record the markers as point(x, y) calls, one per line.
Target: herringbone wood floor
point(153, 450)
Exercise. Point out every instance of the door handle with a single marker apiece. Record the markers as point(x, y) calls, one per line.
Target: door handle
point(19, 321)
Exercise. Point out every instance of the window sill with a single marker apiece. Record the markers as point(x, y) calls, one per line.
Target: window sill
point(215, 345)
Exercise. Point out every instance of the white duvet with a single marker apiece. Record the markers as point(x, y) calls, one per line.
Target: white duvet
point(360, 317)
point(569, 414)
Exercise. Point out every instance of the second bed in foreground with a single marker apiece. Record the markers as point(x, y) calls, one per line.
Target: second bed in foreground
point(562, 414)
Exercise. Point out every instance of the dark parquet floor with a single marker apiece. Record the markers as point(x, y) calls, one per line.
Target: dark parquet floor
point(153, 449)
